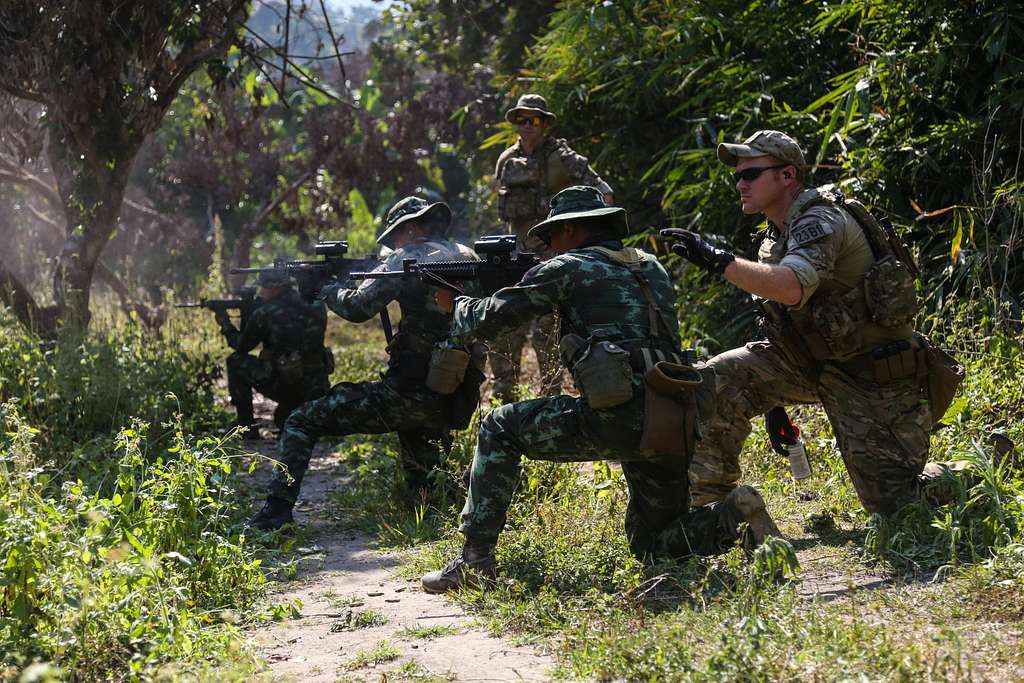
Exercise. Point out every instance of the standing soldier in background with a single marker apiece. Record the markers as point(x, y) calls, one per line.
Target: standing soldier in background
point(839, 298)
point(293, 366)
point(528, 175)
point(400, 401)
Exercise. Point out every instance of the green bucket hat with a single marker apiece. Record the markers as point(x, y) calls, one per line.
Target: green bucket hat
point(530, 103)
point(764, 142)
point(273, 277)
point(414, 207)
point(580, 201)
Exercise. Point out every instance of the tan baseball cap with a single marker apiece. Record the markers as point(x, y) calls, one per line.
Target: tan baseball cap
point(764, 142)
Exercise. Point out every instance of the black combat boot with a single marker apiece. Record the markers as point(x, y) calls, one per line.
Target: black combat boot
point(250, 432)
point(472, 567)
point(274, 514)
point(749, 504)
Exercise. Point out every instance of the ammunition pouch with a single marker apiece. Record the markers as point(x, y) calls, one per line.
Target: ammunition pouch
point(446, 370)
point(604, 375)
point(519, 203)
point(466, 398)
point(289, 368)
point(887, 363)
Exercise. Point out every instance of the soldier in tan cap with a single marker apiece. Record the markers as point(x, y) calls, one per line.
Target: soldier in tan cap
point(839, 301)
point(528, 174)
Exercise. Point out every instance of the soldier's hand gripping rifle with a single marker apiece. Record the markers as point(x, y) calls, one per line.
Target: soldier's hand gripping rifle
point(311, 276)
point(245, 303)
point(500, 265)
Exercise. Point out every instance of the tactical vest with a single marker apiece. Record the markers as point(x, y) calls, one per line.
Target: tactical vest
point(527, 183)
point(839, 323)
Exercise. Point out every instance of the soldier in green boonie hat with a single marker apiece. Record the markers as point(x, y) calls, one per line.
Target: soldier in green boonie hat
point(528, 174)
point(437, 217)
point(617, 307)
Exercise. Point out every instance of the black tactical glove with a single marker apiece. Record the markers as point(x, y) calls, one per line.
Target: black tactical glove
point(699, 251)
point(781, 430)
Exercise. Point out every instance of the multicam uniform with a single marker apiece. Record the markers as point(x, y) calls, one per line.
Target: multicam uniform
point(596, 291)
point(399, 402)
point(293, 365)
point(820, 351)
point(526, 183)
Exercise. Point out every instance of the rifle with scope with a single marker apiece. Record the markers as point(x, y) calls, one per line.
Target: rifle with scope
point(311, 276)
point(500, 265)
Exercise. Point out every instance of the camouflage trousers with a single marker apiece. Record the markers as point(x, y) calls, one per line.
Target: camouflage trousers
point(507, 353)
point(658, 521)
point(882, 430)
point(418, 416)
point(246, 372)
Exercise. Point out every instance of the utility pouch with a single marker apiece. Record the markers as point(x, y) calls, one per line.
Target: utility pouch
point(670, 409)
point(604, 375)
point(446, 370)
point(328, 361)
point(288, 368)
point(890, 293)
point(945, 375)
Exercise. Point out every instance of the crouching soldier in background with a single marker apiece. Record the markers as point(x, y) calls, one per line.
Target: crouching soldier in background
point(293, 366)
point(640, 400)
point(839, 300)
point(400, 402)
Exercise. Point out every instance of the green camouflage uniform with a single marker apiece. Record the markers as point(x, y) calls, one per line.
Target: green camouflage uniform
point(526, 183)
point(283, 326)
point(882, 429)
point(398, 402)
point(593, 293)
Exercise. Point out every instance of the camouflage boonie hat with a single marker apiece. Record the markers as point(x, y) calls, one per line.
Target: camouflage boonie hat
point(530, 104)
point(273, 277)
point(579, 201)
point(764, 142)
point(414, 207)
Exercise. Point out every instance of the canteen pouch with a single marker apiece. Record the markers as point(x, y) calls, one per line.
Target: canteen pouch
point(945, 375)
point(604, 375)
point(446, 370)
point(288, 368)
point(670, 409)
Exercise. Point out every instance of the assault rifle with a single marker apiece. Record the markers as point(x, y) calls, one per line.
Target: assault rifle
point(311, 276)
point(245, 304)
point(500, 265)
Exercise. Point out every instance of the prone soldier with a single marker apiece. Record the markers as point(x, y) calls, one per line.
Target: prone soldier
point(640, 400)
point(400, 401)
point(527, 175)
point(839, 300)
point(293, 366)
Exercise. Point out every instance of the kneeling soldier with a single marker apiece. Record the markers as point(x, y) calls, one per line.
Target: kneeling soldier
point(839, 301)
point(620, 334)
point(400, 402)
point(293, 366)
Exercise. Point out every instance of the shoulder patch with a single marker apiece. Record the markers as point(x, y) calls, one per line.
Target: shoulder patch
point(809, 231)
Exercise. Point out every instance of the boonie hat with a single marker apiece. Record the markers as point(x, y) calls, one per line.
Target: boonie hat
point(414, 207)
point(764, 142)
point(273, 277)
point(530, 103)
point(580, 201)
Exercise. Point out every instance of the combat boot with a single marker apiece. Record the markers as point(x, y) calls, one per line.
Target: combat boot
point(274, 514)
point(752, 510)
point(472, 567)
point(251, 433)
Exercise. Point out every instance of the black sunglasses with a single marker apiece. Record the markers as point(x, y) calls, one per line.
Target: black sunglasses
point(534, 121)
point(753, 172)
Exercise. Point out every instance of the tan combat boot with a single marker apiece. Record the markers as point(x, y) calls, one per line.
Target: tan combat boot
point(750, 505)
point(473, 566)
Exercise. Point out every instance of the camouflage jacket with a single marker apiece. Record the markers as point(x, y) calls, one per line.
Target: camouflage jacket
point(596, 291)
point(526, 182)
point(422, 323)
point(283, 325)
point(828, 251)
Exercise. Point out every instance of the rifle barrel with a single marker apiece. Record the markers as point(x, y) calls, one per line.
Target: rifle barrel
point(188, 305)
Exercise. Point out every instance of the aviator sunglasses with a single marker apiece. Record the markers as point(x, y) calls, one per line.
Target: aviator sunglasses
point(751, 174)
point(534, 121)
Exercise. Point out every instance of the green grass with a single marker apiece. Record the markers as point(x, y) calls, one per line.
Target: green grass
point(427, 632)
point(381, 653)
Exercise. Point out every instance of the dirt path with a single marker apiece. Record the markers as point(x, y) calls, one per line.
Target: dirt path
point(361, 622)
